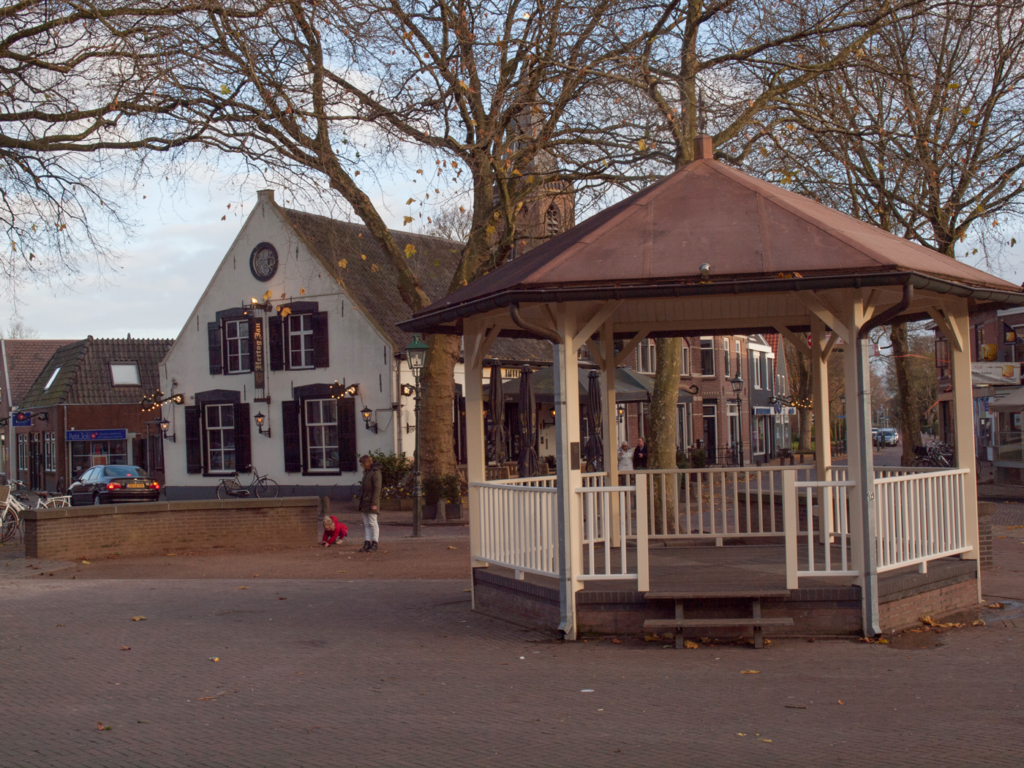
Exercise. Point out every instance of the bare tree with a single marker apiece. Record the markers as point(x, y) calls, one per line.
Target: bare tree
point(18, 330)
point(331, 90)
point(84, 104)
point(920, 136)
point(747, 55)
point(451, 223)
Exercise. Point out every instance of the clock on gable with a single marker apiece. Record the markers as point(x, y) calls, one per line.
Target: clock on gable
point(263, 262)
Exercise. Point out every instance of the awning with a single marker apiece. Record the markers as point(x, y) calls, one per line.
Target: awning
point(1012, 403)
point(630, 387)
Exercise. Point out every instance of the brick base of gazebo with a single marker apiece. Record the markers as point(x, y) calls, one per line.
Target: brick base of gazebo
point(949, 587)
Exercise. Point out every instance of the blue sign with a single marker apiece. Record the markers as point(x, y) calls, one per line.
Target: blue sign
point(22, 419)
point(95, 434)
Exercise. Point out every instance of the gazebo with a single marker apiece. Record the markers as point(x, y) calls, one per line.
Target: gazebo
point(711, 250)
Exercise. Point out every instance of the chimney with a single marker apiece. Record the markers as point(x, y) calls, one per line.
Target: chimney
point(703, 148)
point(265, 196)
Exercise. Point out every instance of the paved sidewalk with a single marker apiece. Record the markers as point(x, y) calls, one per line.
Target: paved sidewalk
point(379, 673)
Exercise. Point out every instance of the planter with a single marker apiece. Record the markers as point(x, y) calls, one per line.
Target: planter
point(453, 511)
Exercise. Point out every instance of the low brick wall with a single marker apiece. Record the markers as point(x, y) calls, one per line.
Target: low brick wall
point(903, 600)
point(160, 527)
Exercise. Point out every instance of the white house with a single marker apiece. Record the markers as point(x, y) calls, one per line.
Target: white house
point(298, 303)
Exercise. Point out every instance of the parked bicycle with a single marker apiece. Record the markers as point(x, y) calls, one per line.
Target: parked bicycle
point(261, 486)
point(14, 503)
point(936, 454)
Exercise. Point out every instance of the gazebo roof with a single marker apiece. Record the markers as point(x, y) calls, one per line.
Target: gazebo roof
point(756, 238)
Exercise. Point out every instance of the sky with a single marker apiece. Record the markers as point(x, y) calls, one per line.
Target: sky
point(179, 240)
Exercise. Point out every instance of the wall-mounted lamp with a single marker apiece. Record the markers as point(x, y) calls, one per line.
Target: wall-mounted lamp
point(408, 390)
point(260, 418)
point(42, 416)
point(367, 416)
point(621, 410)
point(164, 424)
point(705, 272)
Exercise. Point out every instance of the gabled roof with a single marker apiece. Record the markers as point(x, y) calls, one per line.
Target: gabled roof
point(756, 237)
point(354, 257)
point(23, 359)
point(84, 377)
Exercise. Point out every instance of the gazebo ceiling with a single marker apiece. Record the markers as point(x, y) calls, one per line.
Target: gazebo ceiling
point(756, 237)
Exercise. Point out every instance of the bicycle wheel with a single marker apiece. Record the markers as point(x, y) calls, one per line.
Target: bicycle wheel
point(266, 489)
point(8, 525)
point(222, 492)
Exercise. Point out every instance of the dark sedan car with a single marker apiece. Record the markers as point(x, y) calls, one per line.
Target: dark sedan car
point(113, 484)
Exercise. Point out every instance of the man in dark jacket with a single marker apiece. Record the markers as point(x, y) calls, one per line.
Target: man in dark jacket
point(369, 503)
point(640, 454)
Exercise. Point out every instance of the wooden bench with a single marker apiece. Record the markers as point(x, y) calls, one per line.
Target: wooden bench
point(756, 621)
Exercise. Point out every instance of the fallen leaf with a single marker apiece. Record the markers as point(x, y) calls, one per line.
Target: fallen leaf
point(467, 590)
point(451, 547)
point(996, 606)
point(86, 562)
point(616, 641)
point(61, 625)
point(741, 734)
point(768, 741)
point(978, 623)
point(102, 727)
point(690, 644)
point(282, 598)
point(652, 638)
point(238, 588)
point(750, 672)
point(214, 658)
point(126, 647)
point(840, 701)
point(138, 618)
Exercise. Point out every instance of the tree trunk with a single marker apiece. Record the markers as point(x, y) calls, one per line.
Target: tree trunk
point(806, 420)
point(663, 429)
point(910, 419)
point(437, 448)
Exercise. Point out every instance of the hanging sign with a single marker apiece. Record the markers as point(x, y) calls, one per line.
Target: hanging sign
point(22, 419)
point(258, 369)
point(989, 374)
point(79, 435)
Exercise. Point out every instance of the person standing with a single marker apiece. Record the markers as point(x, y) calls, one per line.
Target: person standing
point(640, 454)
point(369, 503)
point(625, 458)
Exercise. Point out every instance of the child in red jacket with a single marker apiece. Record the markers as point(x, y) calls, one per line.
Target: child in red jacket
point(333, 531)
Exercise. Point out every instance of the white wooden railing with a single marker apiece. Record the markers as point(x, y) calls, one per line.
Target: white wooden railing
point(519, 526)
point(920, 517)
point(829, 554)
point(614, 516)
point(713, 503)
point(542, 481)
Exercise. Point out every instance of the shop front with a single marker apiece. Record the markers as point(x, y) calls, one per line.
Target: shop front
point(88, 448)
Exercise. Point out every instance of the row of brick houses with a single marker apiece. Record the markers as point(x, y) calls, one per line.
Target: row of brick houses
point(78, 407)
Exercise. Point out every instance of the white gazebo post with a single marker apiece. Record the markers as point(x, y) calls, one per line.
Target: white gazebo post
point(862, 467)
point(567, 451)
point(957, 329)
point(606, 359)
point(477, 341)
point(820, 350)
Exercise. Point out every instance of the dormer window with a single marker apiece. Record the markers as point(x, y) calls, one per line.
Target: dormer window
point(53, 378)
point(125, 375)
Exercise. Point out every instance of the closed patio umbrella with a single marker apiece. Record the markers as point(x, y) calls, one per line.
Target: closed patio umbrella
point(527, 425)
point(595, 445)
point(496, 406)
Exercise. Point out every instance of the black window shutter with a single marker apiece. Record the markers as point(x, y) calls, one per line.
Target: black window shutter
point(321, 353)
point(348, 457)
point(292, 436)
point(193, 443)
point(243, 438)
point(276, 332)
point(216, 364)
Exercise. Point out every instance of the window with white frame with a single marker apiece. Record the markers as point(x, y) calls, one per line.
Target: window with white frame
point(322, 454)
point(733, 412)
point(23, 452)
point(50, 452)
point(300, 341)
point(739, 359)
point(728, 366)
point(220, 437)
point(236, 337)
point(759, 438)
point(684, 432)
point(684, 369)
point(707, 357)
point(756, 364)
point(646, 357)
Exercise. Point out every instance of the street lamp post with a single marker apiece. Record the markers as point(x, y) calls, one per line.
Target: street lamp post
point(416, 351)
point(737, 387)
